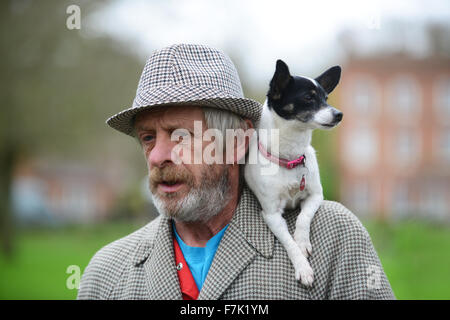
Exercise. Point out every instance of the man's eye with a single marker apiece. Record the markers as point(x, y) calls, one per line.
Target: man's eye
point(180, 135)
point(147, 138)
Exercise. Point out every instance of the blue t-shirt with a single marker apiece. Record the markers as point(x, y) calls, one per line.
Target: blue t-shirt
point(199, 259)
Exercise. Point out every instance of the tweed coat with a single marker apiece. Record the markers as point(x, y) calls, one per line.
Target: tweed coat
point(249, 263)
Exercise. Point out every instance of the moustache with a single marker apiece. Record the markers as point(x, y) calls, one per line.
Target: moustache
point(170, 175)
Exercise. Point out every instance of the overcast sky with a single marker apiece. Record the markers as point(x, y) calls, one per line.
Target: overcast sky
point(303, 33)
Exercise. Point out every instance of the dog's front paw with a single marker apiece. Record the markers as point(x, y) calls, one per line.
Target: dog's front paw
point(307, 276)
point(304, 272)
point(302, 240)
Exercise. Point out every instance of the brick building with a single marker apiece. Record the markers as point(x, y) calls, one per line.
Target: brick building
point(394, 142)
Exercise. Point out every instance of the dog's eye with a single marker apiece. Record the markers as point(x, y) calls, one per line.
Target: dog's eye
point(308, 97)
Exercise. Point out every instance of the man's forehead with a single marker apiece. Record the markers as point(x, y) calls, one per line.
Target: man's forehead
point(173, 116)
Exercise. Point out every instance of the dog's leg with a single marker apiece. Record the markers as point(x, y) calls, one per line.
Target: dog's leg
point(278, 226)
point(302, 226)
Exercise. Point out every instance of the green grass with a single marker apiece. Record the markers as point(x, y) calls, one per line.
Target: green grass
point(38, 268)
point(415, 256)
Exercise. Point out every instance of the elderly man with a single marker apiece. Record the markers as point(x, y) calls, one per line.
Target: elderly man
point(210, 241)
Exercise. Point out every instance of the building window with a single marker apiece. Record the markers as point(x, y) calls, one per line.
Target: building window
point(401, 200)
point(406, 146)
point(358, 197)
point(405, 96)
point(434, 202)
point(361, 148)
point(363, 95)
point(444, 145)
point(441, 99)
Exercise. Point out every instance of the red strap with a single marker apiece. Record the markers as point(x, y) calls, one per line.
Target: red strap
point(188, 287)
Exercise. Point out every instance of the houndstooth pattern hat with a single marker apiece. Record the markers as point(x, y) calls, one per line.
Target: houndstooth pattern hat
point(186, 74)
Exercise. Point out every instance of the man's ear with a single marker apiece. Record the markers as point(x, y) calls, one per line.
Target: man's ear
point(330, 78)
point(280, 80)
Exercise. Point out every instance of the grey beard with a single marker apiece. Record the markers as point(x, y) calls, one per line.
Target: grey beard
point(200, 204)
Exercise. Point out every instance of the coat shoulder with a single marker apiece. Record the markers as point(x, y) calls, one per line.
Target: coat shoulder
point(347, 264)
point(335, 226)
point(334, 218)
point(108, 264)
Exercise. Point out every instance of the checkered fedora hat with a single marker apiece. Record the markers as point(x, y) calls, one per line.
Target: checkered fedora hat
point(186, 74)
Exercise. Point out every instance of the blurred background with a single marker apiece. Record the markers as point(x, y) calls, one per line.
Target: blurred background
point(70, 185)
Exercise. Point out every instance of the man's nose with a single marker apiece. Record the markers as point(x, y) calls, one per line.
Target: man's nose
point(160, 155)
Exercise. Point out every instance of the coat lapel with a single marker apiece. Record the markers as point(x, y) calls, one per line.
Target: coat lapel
point(160, 269)
point(245, 238)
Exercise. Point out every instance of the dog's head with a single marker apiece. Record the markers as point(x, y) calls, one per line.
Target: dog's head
point(304, 99)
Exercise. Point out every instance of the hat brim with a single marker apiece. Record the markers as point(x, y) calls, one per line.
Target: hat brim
point(182, 95)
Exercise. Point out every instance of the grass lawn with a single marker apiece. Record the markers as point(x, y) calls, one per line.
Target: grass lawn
point(38, 268)
point(416, 259)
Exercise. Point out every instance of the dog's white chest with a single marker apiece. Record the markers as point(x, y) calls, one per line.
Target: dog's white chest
point(296, 189)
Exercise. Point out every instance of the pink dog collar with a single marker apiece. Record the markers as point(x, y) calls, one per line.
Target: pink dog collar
point(281, 162)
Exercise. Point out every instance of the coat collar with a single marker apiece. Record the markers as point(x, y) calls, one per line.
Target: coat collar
point(248, 219)
point(246, 236)
point(160, 266)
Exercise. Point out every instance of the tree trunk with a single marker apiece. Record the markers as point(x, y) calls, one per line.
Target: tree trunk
point(7, 159)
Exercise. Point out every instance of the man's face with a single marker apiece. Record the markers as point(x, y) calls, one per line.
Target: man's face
point(186, 192)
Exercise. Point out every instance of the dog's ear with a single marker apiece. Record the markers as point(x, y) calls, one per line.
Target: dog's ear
point(330, 78)
point(280, 80)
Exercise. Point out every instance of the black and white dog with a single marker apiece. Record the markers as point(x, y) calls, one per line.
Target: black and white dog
point(295, 106)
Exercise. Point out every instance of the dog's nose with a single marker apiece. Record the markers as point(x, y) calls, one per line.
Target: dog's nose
point(338, 116)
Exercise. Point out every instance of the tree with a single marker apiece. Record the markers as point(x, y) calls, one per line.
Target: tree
point(57, 88)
